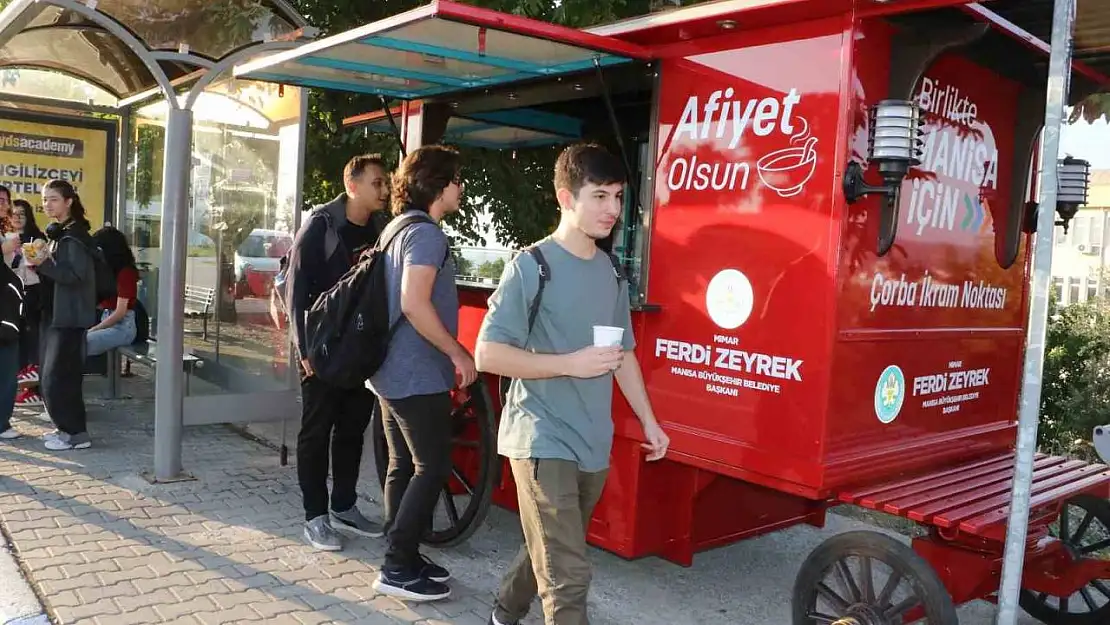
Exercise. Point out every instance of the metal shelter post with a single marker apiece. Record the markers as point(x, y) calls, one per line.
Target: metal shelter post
point(168, 385)
point(1059, 67)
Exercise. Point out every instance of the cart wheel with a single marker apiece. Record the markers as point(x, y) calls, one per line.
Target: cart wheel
point(1084, 528)
point(867, 578)
point(465, 499)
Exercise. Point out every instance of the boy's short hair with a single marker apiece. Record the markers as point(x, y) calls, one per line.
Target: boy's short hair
point(587, 163)
point(423, 175)
point(359, 164)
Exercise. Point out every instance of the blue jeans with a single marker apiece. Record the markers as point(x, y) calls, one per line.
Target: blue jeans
point(9, 368)
point(123, 333)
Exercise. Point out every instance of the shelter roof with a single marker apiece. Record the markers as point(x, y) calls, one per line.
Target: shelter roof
point(180, 36)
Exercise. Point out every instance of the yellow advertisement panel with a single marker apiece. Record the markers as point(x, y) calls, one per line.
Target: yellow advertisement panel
point(32, 153)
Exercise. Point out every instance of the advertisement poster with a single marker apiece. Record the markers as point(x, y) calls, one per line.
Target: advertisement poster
point(34, 152)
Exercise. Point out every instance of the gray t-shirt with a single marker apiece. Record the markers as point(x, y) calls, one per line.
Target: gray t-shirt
point(413, 366)
point(565, 417)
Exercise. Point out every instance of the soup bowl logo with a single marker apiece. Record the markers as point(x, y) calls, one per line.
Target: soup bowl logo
point(787, 171)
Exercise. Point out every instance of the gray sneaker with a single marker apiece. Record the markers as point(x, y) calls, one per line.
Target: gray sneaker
point(320, 534)
point(353, 521)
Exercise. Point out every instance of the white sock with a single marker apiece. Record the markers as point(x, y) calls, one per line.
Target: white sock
point(497, 622)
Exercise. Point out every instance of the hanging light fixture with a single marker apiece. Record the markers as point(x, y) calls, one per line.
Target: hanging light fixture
point(894, 144)
point(1073, 178)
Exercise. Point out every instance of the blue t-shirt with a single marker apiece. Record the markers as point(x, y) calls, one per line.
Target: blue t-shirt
point(413, 366)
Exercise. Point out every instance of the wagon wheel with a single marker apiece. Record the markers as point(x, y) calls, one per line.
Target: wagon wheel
point(867, 578)
point(1084, 528)
point(465, 500)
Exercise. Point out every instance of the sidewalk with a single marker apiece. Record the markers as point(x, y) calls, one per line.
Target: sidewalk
point(103, 546)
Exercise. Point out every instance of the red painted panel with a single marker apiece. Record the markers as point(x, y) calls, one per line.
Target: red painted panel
point(930, 335)
point(737, 359)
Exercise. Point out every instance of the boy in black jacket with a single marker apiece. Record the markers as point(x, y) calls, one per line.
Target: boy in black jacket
point(11, 319)
point(333, 420)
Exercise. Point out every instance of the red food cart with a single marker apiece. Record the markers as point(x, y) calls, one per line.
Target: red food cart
point(828, 240)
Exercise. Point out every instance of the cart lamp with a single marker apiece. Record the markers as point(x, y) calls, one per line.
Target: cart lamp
point(1073, 178)
point(895, 144)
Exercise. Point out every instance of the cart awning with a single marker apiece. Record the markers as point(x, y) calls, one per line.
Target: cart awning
point(440, 48)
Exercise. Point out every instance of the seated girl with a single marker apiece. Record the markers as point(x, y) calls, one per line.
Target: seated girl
point(117, 319)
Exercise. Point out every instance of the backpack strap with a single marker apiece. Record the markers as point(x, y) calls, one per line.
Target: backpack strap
point(618, 271)
point(545, 276)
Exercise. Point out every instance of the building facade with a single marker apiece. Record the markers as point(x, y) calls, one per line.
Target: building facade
point(1080, 256)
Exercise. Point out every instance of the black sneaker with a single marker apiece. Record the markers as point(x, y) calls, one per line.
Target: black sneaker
point(433, 571)
point(410, 587)
point(493, 621)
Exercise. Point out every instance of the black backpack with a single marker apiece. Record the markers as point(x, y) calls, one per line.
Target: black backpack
point(347, 329)
point(279, 305)
point(105, 277)
point(534, 308)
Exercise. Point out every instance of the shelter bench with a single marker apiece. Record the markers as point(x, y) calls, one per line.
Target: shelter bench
point(146, 353)
point(198, 303)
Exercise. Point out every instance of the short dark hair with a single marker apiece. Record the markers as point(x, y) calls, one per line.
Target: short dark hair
point(359, 164)
point(423, 176)
point(587, 163)
point(6, 191)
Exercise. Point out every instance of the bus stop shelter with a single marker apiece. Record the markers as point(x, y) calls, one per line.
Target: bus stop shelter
point(171, 61)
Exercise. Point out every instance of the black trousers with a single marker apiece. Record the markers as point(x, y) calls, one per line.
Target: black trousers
point(333, 423)
point(418, 430)
point(29, 338)
point(63, 368)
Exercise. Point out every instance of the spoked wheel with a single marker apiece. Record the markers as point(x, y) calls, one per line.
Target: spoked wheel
point(867, 578)
point(465, 499)
point(1084, 528)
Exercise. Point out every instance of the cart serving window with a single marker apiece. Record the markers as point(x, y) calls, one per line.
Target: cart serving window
point(476, 77)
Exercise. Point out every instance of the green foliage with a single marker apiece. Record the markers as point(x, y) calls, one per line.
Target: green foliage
point(492, 269)
point(1092, 109)
point(1075, 396)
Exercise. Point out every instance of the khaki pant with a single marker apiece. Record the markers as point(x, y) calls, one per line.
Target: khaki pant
point(556, 502)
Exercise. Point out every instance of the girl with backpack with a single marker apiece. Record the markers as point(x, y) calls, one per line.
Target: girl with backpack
point(117, 326)
point(68, 260)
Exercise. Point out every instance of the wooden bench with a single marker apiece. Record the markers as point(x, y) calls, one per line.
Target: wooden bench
point(198, 303)
point(974, 497)
point(146, 353)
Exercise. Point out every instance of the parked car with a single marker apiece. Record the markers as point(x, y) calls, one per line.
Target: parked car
point(257, 261)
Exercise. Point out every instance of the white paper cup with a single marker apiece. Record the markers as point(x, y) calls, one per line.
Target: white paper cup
point(608, 336)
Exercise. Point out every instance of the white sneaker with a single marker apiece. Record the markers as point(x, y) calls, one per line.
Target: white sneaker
point(10, 434)
point(65, 442)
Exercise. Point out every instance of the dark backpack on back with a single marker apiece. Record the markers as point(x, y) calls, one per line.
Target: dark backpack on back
point(105, 278)
point(278, 296)
point(534, 308)
point(347, 330)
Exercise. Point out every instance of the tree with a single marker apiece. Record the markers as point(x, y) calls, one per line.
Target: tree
point(513, 185)
point(492, 269)
point(1091, 109)
point(1075, 394)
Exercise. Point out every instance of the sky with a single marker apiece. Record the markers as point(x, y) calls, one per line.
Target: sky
point(1090, 142)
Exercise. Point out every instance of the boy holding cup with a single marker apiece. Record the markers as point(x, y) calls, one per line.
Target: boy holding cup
point(556, 427)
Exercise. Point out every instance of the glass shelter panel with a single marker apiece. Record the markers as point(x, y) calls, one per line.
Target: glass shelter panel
point(44, 84)
point(92, 55)
point(212, 28)
point(241, 216)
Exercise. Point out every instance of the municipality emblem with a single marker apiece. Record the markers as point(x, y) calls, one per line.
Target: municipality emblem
point(890, 392)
